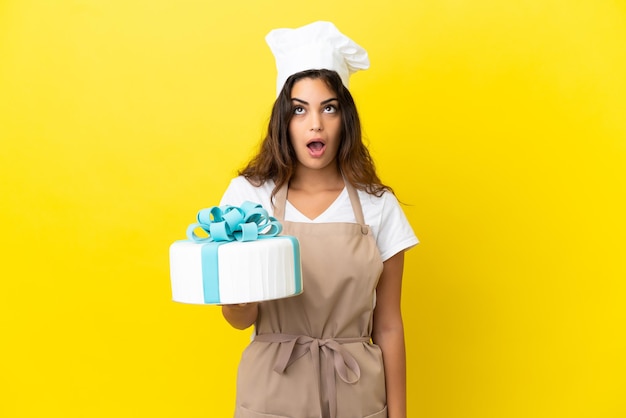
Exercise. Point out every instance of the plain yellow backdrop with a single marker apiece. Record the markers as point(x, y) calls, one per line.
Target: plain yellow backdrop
point(500, 124)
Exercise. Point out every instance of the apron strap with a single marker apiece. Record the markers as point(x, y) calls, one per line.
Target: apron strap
point(328, 356)
point(280, 201)
point(356, 203)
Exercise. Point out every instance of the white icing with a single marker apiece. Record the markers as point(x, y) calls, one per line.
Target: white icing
point(186, 272)
point(248, 271)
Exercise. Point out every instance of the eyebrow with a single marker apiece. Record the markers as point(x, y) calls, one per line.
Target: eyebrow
point(307, 103)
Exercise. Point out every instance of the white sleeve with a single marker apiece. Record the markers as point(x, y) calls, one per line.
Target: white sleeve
point(395, 233)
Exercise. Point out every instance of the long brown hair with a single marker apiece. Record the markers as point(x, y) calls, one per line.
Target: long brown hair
point(276, 159)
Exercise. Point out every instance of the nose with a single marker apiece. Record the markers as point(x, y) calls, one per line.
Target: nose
point(316, 123)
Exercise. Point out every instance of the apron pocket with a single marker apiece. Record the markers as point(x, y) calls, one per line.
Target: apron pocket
point(379, 414)
point(242, 412)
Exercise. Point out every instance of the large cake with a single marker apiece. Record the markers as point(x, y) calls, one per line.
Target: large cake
point(241, 259)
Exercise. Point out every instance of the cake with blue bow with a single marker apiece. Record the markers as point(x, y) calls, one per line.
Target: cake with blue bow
point(235, 254)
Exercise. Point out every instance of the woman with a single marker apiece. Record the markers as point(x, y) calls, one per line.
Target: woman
point(336, 350)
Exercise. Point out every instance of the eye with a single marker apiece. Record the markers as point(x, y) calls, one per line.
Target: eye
point(298, 110)
point(330, 108)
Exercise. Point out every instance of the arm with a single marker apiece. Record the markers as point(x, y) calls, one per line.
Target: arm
point(388, 334)
point(241, 316)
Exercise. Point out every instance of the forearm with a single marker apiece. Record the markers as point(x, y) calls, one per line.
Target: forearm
point(388, 333)
point(391, 343)
point(241, 316)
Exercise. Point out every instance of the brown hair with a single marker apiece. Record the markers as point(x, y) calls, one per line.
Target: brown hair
point(276, 159)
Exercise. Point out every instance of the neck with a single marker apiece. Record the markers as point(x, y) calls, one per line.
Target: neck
point(312, 179)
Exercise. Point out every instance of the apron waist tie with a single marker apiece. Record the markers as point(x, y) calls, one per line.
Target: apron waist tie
point(328, 357)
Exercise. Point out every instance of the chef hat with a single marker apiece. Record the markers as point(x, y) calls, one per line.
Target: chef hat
point(318, 45)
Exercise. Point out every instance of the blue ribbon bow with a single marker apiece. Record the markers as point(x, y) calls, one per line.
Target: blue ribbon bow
point(248, 222)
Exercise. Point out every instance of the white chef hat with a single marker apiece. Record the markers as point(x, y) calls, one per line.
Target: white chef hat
point(318, 45)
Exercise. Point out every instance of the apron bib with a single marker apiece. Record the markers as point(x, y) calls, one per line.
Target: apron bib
point(312, 356)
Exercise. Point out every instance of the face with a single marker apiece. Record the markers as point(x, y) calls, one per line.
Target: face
point(315, 126)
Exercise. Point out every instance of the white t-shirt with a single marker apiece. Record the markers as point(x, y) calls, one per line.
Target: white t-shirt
point(385, 217)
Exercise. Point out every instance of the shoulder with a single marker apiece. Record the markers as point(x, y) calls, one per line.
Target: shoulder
point(381, 205)
point(240, 190)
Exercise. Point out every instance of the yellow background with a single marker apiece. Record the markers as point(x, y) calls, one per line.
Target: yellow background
point(501, 125)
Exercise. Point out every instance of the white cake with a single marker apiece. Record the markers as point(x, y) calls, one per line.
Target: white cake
point(235, 272)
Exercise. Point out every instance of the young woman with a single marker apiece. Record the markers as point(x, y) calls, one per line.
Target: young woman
point(337, 350)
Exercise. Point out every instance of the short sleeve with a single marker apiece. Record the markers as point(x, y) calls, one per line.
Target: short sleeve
point(392, 228)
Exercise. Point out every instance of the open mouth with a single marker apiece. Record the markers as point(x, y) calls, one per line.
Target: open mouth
point(315, 146)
